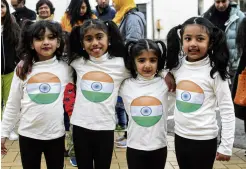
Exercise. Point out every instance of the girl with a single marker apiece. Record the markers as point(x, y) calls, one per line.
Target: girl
point(100, 70)
point(145, 99)
point(201, 84)
point(9, 40)
point(39, 97)
point(77, 12)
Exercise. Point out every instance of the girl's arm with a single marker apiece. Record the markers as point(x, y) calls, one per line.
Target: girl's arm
point(169, 80)
point(13, 106)
point(226, 108)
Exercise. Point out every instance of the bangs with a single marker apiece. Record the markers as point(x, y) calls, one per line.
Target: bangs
point(38, 29)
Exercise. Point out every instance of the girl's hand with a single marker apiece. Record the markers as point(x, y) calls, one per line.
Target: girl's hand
point(170, 81)
point(3, 148)
point(222, 157)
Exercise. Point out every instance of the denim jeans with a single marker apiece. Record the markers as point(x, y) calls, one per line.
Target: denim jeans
point(121, 113)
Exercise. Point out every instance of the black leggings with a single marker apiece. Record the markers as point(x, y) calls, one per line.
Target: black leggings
point(31, 151)
point(91, 145)
point(139, 159)
point(194, 154)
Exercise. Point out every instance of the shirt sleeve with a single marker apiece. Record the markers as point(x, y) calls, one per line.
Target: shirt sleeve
point(13, 106)
point(223, 95)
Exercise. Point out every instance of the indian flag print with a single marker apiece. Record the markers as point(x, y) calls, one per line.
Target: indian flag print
point(43, 88)
point(96, 86)
point(189, 96)
point(146, 111)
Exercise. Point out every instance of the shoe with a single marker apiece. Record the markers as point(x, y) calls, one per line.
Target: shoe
point(73, 161)
point(13, 136)
point(119, 139)
point(122, 144)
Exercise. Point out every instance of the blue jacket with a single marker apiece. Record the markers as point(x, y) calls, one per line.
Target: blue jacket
point(133, 26)
point(107, 14)
point(235, 18)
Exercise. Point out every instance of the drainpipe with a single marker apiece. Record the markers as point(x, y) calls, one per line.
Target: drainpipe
point(153, 21)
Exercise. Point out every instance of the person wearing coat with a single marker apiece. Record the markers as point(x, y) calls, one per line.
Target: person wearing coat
point(226, 15)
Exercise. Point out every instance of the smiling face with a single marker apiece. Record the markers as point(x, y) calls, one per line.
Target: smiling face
point(146, 63)
point(44, 11)
point(221, 5)
point(195, 42)
point(95, 42)
point(45, 45)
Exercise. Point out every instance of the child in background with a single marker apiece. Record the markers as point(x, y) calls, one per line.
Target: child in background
point(201, 85)
point(39, 97)
point(145, 99)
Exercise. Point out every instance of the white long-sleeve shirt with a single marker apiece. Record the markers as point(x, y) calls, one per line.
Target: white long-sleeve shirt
point(39, 101)
point(98, 82)
point(146, 105)
point(197, 96)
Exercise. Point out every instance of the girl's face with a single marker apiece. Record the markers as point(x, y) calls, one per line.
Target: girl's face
point(195, 42)
point(44, 11)
point(3, 9)
point(146, 63)
point(45, 45)
point(95, 42)
point(83, 9)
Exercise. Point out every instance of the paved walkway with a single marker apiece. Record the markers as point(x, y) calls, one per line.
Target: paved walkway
point(12, 159)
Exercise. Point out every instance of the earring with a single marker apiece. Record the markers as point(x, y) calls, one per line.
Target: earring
point(109, 44)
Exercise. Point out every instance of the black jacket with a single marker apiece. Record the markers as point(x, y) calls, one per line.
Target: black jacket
point(24, 13)
point(8, 56)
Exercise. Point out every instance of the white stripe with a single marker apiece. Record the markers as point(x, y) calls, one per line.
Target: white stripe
point(89, 85)
point(138, 110)
point(34, 88)
point(196, 98)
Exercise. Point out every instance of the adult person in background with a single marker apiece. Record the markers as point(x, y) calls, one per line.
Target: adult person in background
point(77, 12)
point(45, 10)
point(103, 11)
point(132, 25)
point(9, 40)
point(240, 111)
point(226, 15)
point(21, 11)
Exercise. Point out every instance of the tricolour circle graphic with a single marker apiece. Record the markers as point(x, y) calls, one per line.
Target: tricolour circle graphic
point(43, 88)
point(146, 111)
point(97, 86)
point(189, 96)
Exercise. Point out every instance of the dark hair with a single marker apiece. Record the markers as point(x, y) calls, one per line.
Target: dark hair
point(218, 51)
point(47, 2)
point(240, 39)
point(11, 29)
point(32, 30)
point(134, 49)
point(73, 11)
point(115, 49)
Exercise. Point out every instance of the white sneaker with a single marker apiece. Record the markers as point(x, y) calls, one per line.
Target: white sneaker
point(122, 144)
point(13, 136)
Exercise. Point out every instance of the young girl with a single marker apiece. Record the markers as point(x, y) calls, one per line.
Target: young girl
point(145, 99)
point(39, 98)
point(201, 85)
point(100, 70)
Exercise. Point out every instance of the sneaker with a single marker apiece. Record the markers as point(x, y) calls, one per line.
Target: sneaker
point(122, 144)
point(73, 161)
point(119, 139)
point(13, 136)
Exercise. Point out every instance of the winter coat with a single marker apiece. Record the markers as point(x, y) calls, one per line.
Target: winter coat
point(24, 13)
point(106, 15)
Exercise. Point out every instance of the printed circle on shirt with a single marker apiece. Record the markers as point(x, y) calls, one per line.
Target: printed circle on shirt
point(43, 88)
point(189, 96)
point(146, 111)
point(96, 86)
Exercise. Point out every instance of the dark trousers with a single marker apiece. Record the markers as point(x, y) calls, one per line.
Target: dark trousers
point(194, 154)
point(139, 159)
point(93, 146)
point(31, 151)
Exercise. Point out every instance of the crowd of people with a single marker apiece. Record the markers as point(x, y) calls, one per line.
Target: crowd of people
point(70, 80)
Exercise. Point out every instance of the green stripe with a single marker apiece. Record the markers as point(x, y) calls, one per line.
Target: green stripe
point(146, 121)
point(44, 98)
point(186, 107)
point(95, 96)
